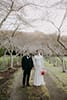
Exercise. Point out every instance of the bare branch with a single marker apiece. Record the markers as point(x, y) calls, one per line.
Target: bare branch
point(13, 34)
point(29, 4)
point(59, 29)
point(58, 40)
point(52, 23)
point(4, 19)
point(65, 15)
point(23, 20)
point(53, 52)
point(57, 3)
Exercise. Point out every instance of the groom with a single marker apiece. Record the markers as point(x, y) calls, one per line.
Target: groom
point(27, 64)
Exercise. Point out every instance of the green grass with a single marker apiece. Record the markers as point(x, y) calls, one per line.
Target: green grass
point(37, 93)
point(5, 62)
point(57, 62)
point(57, 75)
point(65, 58)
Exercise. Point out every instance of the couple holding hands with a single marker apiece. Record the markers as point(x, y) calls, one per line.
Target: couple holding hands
point(36, 62)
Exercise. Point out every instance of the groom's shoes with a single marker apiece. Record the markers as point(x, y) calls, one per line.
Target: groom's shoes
point(23, 86)
point(28, 85)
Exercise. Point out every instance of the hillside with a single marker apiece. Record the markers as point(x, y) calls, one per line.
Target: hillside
point(37, 40)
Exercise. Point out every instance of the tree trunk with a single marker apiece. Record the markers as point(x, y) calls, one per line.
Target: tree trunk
point(63, 67)
point(11, 61)
point(17, 62)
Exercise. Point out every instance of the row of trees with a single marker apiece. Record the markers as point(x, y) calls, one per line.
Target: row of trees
point(10, 7)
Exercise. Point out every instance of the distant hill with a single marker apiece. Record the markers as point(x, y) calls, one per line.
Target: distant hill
point(38, 40)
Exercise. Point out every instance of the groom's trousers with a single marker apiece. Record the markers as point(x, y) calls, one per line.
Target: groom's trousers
point(26, 77)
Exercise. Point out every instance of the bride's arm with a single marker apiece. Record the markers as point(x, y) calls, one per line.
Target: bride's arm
point(34, 62)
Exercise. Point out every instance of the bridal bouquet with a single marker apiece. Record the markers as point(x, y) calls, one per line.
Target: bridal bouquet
point(43, 72)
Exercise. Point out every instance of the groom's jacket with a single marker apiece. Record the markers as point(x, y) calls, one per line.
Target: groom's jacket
point(27, 63)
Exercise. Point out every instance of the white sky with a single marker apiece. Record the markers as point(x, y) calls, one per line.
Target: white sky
point(32, 13)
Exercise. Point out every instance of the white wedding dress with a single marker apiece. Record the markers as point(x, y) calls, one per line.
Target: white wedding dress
point(39, 66)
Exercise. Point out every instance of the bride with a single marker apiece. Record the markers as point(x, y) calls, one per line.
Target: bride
point(38, 61)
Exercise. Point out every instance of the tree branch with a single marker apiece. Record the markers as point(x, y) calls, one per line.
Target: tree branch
point(58, 40)
point(22, 19)
point(29, 4)
point(13, 34)
point(4, 19)
point(65, 15)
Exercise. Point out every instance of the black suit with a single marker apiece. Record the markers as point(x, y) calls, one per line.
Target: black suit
point(27, 65)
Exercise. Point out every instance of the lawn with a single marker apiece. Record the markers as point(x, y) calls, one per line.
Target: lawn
point(57, 75)
point(5, 62)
